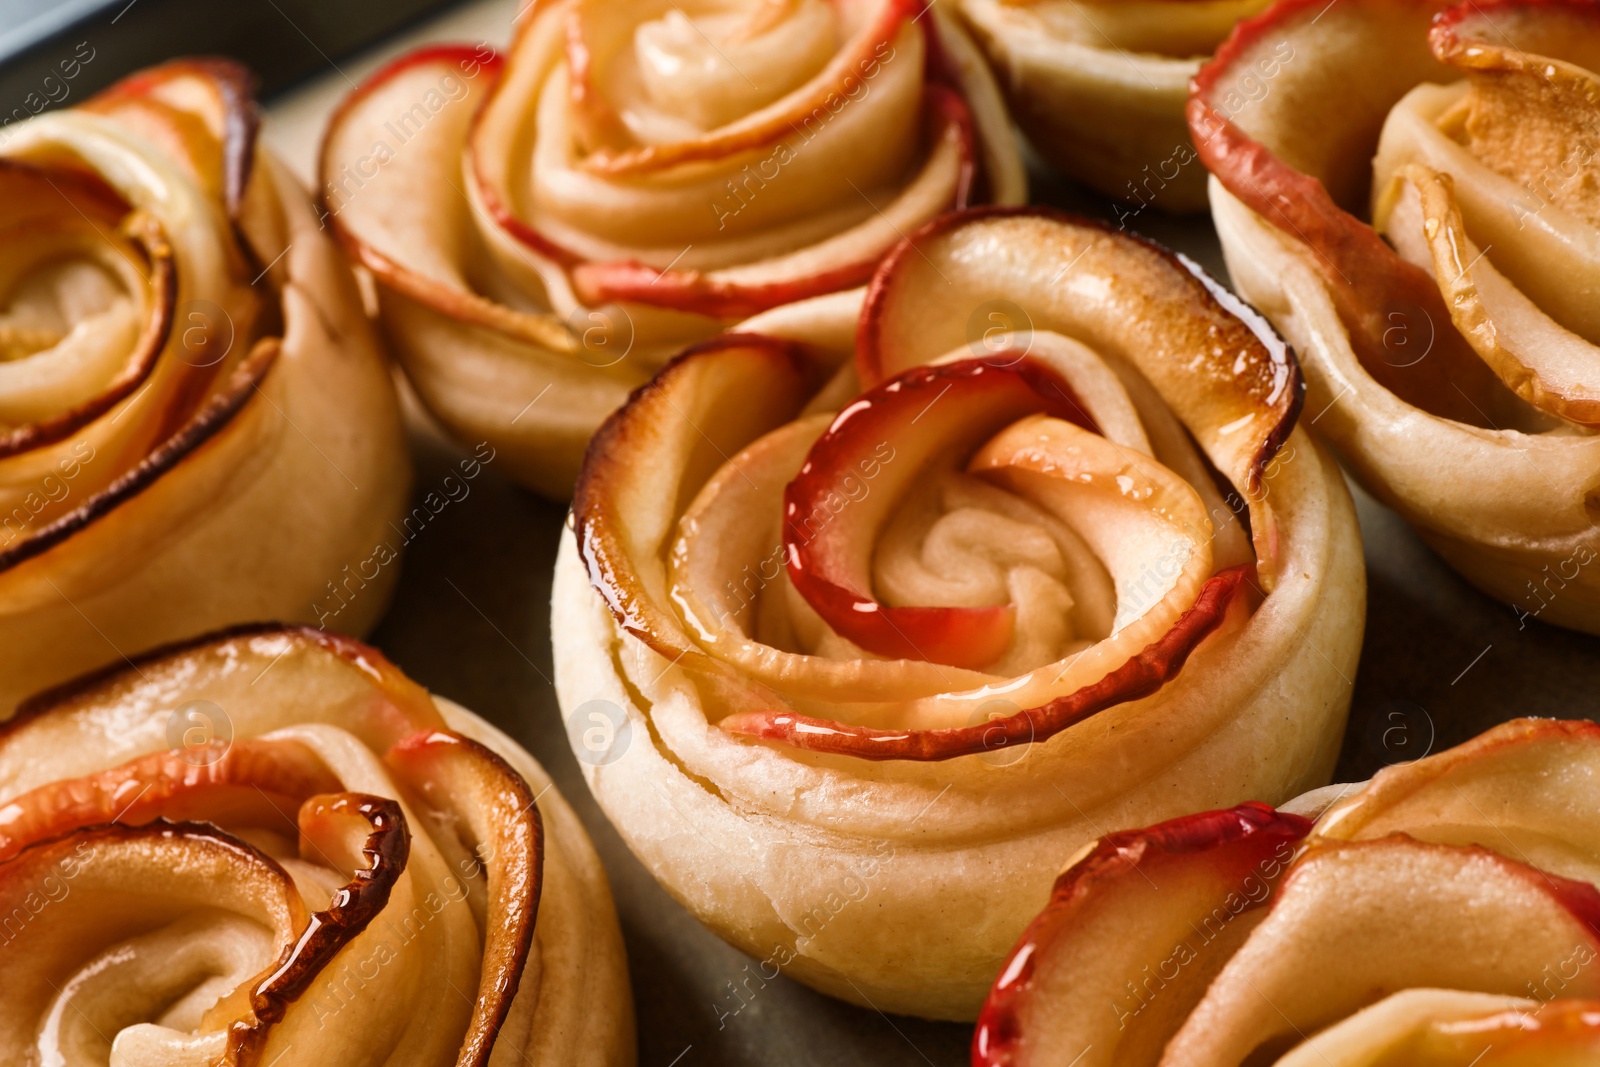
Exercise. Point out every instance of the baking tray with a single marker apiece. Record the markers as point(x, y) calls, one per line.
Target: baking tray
point(56, 52)
point(470, 620)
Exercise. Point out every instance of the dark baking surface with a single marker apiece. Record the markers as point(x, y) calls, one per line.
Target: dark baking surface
point(1441, 663)
point(56, 52)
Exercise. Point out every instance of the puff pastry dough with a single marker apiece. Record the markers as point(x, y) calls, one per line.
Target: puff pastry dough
point(196, 428)
point(898, 610)
point(273, 847)
point(1444, 913)
point(1450, 343)
point(1099, 87)
point(548, 226)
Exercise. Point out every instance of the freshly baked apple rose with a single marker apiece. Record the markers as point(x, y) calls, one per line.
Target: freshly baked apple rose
point(1443, 914)
point(1099, 86)
point(195, 426)
point(271, 846)
point(548, 226)
point(855, 646)
point(1431, 246)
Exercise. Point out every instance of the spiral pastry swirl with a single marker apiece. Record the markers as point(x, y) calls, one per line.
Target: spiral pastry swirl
point(1430, 247)
point(1443, 914)
point(871, 597)
point(272, 847)
point(634, 176)
point(196, 428)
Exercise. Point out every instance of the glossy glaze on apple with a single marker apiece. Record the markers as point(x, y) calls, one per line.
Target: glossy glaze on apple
point(1431, 249)
point(1443, 914)
point(271, 847)
point(862, 580)
point(616, 186)
point(196, 427)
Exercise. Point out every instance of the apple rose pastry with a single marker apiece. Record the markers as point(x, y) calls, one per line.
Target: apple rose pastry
point(912, 622)
point(1442, 915)
point(1099, 85)
point(195, 426)
point(271, 847)
point(1450, 342)
point(547, 227)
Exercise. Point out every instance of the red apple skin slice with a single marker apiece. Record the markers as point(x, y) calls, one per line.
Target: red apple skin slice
point(87, 192)
point(256, 780)
point(706, 294)
point(1368, 280)
point(1140, 676)
point(354, 906)
point(504, 817)
point(1245, 374)
point(984, 397)
point(621, 513)
point(1211, 855)
point(235, 122)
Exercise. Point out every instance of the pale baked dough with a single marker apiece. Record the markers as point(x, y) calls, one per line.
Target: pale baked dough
point(901, 883)
point(273, 847)
point(1443, 913)
point(196, 426)
point(549, 225)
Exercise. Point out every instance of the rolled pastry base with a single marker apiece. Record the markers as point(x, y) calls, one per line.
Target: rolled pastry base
point(919, 922)
point(583, 1004)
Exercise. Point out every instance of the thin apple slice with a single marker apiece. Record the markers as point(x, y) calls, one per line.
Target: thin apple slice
point(1535, 94)
point(109, 884)
point(1316, 172)
point(1147, 526)
point(1424, 916)
point(369, 194)
point(254, 781)
point(1537, 358)
point(592, 35)
point(1448, 1028)
point(727, 566)
point(1143, 674)
point(252, 681)
point(203, 114)
point(1222, 370)
point(943, 183)
point(494, 811)
point(1170, 903)
point(48, 398)
point(1556, 1033)
point(705, 406)
point(830, 561)
point(1526, 788)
